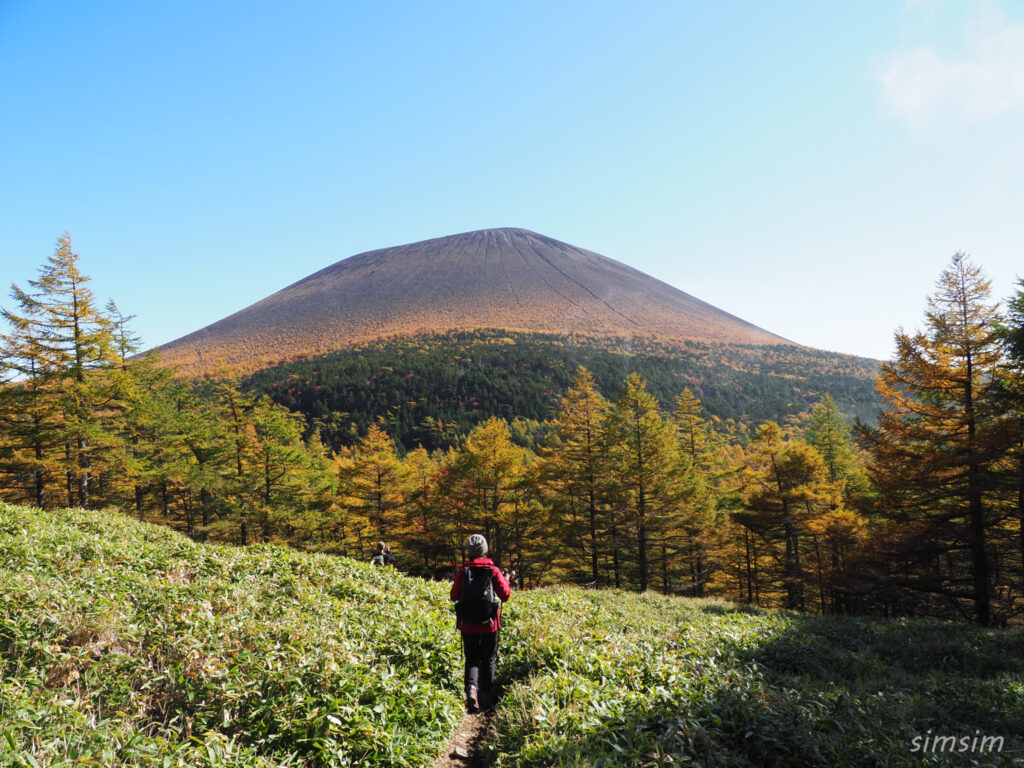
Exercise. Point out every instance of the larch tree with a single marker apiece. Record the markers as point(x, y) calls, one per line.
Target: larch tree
point(698, 446)
point(938, 436)
point(282, 465)
point(59, 340)
point(423, 528)
point(372, 483)
point(646, 468)
point(573, 468)
point(233, 413)
point(487, 481)
point(132, 380)
point(841, 528)
point(318, 493)
point(161, 423)
point(31, 419)
point(1011, 473)
point(785, 485)
point(694, 435)
point(828, 431)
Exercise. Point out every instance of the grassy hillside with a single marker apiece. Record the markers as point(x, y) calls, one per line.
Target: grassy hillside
point(610, 679)
point(126, 644)
point(434, 388)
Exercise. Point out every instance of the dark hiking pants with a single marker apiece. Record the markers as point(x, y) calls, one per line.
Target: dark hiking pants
point(481, 653)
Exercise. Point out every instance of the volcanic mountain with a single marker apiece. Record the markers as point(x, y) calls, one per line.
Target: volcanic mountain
point(511, 279)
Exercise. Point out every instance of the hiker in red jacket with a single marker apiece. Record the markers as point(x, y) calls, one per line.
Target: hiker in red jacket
point(478, 591)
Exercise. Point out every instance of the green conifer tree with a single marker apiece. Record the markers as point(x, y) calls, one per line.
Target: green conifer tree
point(645, 465)
point(1011, 469)
point(573, 469)
point(700, 527)
point(282, 466)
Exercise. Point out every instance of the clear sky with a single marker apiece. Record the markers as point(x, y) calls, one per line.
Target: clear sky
point(810, 167)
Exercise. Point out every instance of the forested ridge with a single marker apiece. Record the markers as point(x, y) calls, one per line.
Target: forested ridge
point(431, 390)
point(641, 488)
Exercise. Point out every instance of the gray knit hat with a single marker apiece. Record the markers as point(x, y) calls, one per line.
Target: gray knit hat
point(476, 545)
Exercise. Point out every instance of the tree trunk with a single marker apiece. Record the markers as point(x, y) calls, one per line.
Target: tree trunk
point(838, 599)
point(69, 474)
point(739, 580)
point(641, 537)
point(664, 567)
point(757, 574)
point(701, 576)
point(979, 555)
point(821, 575)
point(979, 560)
point(791, 568)
point(39, 477)
point(188, 512)
point(85, 478)
point(616, 565)
point(750, 576)
point(1020, 510)
point(693, 571)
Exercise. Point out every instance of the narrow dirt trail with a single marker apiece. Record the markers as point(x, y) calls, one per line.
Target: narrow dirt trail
point(467, 747)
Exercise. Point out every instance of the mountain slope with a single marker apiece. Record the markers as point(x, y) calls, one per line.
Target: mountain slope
point(495, 278)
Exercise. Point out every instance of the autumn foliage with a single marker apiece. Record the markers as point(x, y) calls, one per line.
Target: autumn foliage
point(924, 514)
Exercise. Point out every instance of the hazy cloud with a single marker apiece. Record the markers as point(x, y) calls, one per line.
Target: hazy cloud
point(987, 80)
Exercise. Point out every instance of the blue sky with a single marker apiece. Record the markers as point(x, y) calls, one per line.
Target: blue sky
point(810, 167)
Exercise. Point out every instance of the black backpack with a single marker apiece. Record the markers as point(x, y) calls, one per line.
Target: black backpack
point(477, 604)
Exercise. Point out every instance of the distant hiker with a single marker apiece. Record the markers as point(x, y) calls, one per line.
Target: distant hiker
point(383, 556)
point(513, 580)
point(479, 590)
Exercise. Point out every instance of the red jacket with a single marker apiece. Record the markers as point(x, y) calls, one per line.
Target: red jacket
point(501, 589)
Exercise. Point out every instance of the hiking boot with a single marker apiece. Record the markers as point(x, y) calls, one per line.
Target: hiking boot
point(472, 702)
point(488, 699)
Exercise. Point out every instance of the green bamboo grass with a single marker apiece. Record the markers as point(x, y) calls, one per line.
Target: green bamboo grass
point(126, 644)
point(619, 679)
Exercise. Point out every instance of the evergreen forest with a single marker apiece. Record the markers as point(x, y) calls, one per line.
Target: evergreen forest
point(431, 390)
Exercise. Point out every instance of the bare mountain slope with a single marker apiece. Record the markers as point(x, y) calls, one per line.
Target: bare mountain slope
point(494, 278)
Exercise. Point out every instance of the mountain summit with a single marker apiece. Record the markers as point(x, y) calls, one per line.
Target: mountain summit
point(493, 278)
